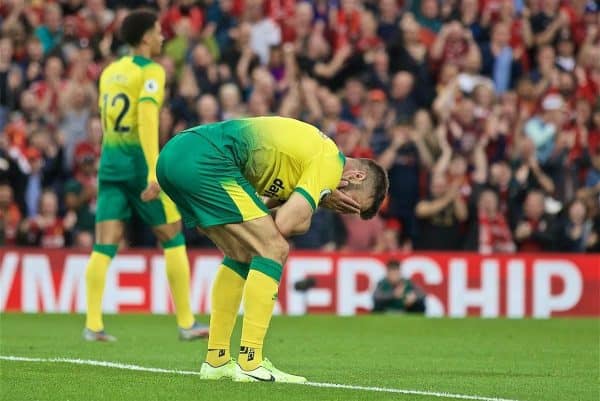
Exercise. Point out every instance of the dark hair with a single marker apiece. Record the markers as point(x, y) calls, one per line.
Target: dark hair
point(502, 162)
point(378, 180)
point(393, 264)
point(487, 188)
point(135, 26)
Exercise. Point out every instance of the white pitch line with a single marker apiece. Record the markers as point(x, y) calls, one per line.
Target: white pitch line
point(105, 364)
point(126, 366)
point(410, 392)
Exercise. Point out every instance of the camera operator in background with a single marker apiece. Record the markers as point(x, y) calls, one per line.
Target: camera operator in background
point(395, 293)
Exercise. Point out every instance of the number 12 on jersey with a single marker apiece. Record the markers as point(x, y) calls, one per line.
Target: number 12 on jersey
point(120, 100)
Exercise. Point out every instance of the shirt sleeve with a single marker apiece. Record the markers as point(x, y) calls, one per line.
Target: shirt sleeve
point(152, 92)
point(153, 87)
point(320, 177)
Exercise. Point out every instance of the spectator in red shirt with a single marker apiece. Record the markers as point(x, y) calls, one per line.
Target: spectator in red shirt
point(282, 12)
point(48, 90)
point(368, 40)
point(489, 231)
point(181, 9)
point(345, 22)
point(47, 229)
point(453, 44)
point(594, 131)
point(363, 235)
point(10, 216)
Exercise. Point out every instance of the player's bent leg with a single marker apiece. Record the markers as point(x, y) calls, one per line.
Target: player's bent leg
point(226, 296)
point(108, 235)
point(262, 239)
point(178, 275)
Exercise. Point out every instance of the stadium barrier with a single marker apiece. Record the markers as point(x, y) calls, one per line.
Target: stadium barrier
point(457, 284)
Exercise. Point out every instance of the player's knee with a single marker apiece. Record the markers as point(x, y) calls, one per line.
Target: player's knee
point(167, 232)
point(277, 249)
point(109, 232)
point(239, 255)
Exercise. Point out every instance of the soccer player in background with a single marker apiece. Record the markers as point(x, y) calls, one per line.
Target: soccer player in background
point(131, 93)
point(215, 174)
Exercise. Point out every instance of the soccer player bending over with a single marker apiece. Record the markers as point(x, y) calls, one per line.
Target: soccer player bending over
point(131, 93)
point(215, 174)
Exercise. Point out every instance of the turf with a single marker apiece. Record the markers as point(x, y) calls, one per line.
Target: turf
point(525, 360)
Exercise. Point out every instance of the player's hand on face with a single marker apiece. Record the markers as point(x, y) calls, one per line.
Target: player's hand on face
point(340, 202)
point(151, 192)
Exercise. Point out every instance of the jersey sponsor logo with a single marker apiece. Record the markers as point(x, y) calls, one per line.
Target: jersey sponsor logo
point(151, 86)
point(274, 189)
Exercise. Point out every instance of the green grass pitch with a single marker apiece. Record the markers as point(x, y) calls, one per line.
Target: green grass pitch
point(524, 360)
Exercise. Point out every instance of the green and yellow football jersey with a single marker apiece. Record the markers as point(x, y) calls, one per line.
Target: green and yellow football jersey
point(216, 172)
point(280, 155)
point(123, 85)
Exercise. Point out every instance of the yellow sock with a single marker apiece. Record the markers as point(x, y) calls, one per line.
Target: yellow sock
point(95, 276)
point(259, 299)
point(178, 274)
point(226, 295)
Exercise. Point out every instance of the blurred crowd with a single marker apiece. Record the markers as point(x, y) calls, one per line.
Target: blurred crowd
point(486, 113)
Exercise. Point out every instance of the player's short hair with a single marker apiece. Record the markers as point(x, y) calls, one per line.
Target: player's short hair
point(378, 183)
point(136, 24)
